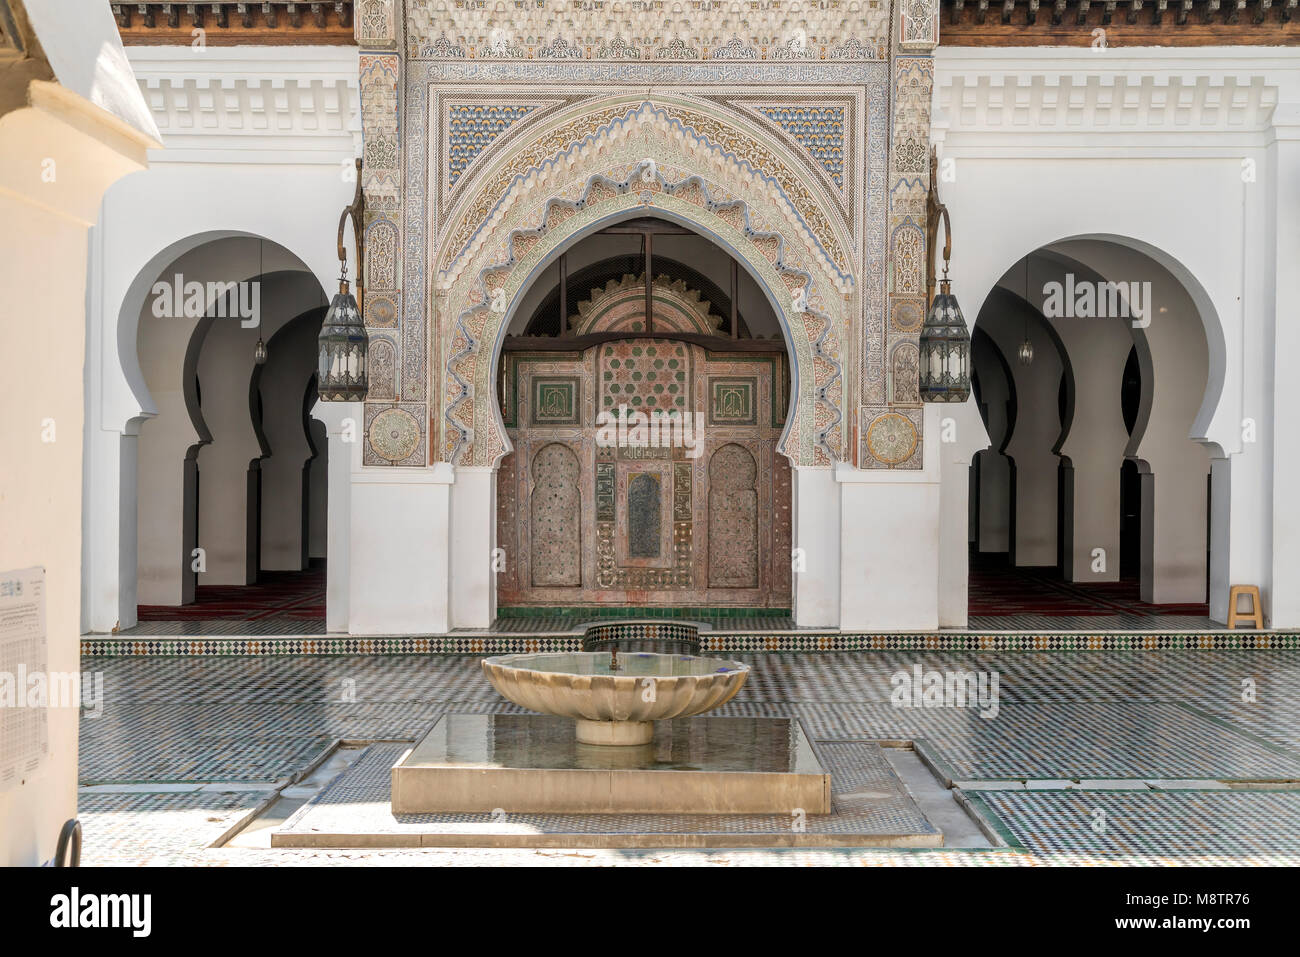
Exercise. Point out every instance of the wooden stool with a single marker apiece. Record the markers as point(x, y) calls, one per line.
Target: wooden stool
point(1256, 613)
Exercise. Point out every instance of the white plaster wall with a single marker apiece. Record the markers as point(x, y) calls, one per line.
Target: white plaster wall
point(225, 365)
point(1096, 439)
point(290, 365)
point(1174, 556)
point(267, 164)
point(342, 422)
point(167, 515)
point(473, 539)
point(961, 435)
point(1146, 147)
point(163, 575)
point(1279, 449)
point(318, 493)
point(816, 533)
point(993, 520)
point(225, 370)
point(1037, 427)
point(894, 587)
point(400, 551)
point(44, 273)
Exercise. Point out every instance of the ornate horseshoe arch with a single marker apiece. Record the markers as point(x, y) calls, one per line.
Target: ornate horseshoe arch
point(643, 158)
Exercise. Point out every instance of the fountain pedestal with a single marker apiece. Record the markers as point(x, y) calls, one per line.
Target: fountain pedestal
point(615, 733)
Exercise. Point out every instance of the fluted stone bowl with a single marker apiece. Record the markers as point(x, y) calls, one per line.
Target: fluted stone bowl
point(615, 698)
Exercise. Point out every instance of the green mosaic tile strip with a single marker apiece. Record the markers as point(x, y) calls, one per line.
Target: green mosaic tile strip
point(237, 647)
point(489, 644)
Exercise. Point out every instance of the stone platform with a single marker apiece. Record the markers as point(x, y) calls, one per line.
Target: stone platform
point(533, 764)
point(870, 807)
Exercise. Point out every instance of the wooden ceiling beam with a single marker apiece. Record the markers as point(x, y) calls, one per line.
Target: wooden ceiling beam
point(1127, 22)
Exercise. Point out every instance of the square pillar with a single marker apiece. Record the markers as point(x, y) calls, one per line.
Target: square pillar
point(473, 542)
point(961, 435)
point(889, 543)
point(345, 434)
point(400, 551)
point(815, 566)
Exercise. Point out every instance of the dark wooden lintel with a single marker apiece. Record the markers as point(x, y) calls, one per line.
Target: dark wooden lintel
point(579, 343)
point(652, 228)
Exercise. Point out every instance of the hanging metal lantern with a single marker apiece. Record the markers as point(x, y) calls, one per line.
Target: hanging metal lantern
point(945, 350)
point(1026, 352)
point(343, 345)
point(259, 352)
point(945, 340)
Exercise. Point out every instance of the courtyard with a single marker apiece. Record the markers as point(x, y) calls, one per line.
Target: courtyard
point(1147, 757)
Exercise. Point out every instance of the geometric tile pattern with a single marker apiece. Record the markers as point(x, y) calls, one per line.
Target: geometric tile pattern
point(750, 635)
point(819, 130)
point(241, 757)
point(239, 719)
point(1149, 714)
point(1030, 626)
point(472, 127)
point(1145, 827)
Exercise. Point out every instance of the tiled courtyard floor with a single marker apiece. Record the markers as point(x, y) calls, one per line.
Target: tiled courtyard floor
point(1070, 768)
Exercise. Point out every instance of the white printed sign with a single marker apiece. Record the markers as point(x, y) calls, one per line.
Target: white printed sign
point(24, 726)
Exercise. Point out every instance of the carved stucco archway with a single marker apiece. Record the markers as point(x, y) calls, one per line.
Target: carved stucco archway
point(647, 158)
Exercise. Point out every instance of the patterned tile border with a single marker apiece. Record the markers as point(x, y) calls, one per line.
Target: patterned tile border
point(490, 644)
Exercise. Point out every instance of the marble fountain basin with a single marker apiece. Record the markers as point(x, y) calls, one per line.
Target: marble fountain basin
point(615, 699)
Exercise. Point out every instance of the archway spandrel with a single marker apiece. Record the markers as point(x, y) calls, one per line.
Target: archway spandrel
point(739, 166)
point(486, 283)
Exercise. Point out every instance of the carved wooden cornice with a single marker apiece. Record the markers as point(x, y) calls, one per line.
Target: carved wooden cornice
point(1119, 23)
point(230, 22)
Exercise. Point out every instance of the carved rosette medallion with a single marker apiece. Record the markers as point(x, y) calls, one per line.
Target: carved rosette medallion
point(394, 434)
point(892, 438)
